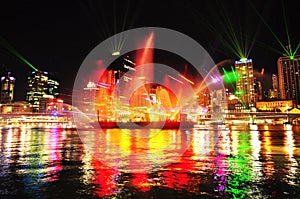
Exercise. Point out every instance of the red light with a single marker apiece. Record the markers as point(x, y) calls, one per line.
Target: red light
point(262, 71)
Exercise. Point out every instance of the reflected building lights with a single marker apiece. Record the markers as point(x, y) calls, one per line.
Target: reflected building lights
point(198, 145)
point(256, 147)
point(292, 165)
point(238, 166)
point(235, 142)
point(224, 143)
point(267, 143)
point(88, 172)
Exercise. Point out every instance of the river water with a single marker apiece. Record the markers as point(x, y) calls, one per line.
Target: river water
point(239, 162)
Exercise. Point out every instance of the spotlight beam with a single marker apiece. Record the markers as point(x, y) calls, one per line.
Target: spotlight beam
point(14, 52)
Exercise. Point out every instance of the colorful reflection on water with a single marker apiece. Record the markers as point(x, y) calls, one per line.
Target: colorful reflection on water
point(243, 162)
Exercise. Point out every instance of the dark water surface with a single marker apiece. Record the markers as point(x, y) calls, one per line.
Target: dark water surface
point(242, 162)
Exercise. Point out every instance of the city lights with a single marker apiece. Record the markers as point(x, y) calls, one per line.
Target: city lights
point(126, 107)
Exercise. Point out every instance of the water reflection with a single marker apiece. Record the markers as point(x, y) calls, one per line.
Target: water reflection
point(253, 162)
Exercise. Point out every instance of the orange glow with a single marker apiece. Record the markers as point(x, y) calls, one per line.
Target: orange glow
point(140, 181)
point(105, 178)
point(186, 79)
point(269, 170)
point(262, 71)
point(146, 55)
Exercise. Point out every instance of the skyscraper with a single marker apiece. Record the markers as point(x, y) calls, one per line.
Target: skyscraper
point(258, 90)
point(7, 88)
point(40, 89)
point(53, 87)
point(245, 82)
point(37, 87)
point(275, 85)
point(289, 78)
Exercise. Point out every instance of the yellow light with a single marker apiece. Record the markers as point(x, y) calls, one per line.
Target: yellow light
point(115, 53)
point(186, 79)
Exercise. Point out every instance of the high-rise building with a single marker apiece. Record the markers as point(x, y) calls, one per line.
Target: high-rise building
point(89, 98)
point(275, 85)
point(258, 90)
point(53, 87)
point(100, 97)
point(289, 78)
point(40, 89)
point(7, 88)
point(37, 87)
point(245, 82)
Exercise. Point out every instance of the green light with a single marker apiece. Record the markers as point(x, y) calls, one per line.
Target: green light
point(15, 53)
point(239, 92)
point(243, 59)
point(235, 75)
point(288, 51)
point(239, 167)
point(230, 77)
point(291, 57)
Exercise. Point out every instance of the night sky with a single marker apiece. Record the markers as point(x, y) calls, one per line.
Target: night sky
point(57, 35)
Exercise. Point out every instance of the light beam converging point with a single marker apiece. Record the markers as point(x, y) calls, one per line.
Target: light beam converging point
point(115, 53)
point(287, 50)
point(236, 37)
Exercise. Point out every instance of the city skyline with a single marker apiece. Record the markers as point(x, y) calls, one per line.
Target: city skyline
point(57, 36)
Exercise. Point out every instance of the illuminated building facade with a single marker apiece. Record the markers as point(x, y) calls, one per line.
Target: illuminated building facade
point(275, 105)
point(89, 98)
point(289, 78)
point(275, 85)
point(7, 89)
point(53, 87)
point(37, 87)
point(40, 90)
point(108, 86)
point(16, 107)
point(103, 97)
point(234, 104)
point(245, 82)
point(258, 90)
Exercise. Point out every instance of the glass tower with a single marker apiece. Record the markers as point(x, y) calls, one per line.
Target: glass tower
point(245, 83)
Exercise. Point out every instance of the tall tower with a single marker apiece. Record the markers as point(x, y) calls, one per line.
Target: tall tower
point(245, 82)
point(275, 85)
point(53, 87)
point(89, 97)
point(289, 78)
point(258, 90)
point(37, 87)
point(7, 88)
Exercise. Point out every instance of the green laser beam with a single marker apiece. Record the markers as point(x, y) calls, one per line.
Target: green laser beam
point(269, 28)
point(289, 52)
point(286, 28)
point(296, 49)
point(14, 52)
point(234, 40)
